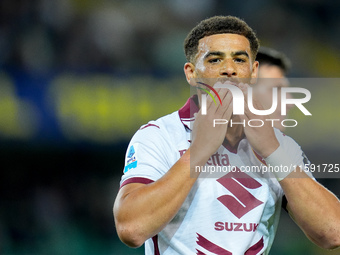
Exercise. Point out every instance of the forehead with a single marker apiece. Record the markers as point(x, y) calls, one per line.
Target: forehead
point(224, 43)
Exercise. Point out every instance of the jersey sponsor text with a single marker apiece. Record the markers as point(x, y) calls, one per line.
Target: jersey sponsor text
point(235, 226)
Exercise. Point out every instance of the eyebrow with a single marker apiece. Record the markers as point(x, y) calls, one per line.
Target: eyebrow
point(222, 54)
point(238, 53)
point(214, 53)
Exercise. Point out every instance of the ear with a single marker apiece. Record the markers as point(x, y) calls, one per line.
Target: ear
point(189, 71)
point(254, 73)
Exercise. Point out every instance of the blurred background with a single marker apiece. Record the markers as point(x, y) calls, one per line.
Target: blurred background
point(78, 78)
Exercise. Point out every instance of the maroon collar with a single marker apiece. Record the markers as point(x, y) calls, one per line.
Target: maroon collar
point(186, 113)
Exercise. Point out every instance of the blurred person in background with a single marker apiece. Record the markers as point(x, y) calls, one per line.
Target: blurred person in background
point(163, 203)
point(273, 68)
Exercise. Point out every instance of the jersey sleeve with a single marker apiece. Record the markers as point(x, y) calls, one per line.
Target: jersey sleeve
point(148, 155)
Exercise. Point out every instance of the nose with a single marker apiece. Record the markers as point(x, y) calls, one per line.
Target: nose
point(228, 69)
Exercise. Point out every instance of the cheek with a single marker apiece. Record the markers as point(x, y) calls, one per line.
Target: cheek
point(246, 69)
point(207, 71)
point(200, 67)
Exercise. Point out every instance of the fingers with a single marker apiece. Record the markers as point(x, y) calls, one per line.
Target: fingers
point(251, 102)
point(227, 105)
point(220, 101)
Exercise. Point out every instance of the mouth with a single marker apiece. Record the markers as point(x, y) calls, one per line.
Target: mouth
point(223, 80)
point(227, 79)
point(230, 81)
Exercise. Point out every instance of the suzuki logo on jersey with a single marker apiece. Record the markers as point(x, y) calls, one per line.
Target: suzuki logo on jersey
point(131, 160)
point(236, 226)
point(242, 200)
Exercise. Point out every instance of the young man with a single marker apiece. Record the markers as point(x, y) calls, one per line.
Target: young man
point(163, 202)
point(272, 72)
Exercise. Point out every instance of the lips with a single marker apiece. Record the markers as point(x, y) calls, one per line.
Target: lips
point(231, 81)
point(221, 80)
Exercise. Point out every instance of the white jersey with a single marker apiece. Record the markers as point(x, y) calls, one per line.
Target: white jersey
point(234, 215)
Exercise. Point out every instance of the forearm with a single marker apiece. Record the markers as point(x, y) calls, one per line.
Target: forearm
point(144, 211)
point(314, 208)
point(141, 211)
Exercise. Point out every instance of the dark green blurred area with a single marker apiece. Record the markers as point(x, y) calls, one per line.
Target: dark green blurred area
point(59, 201)
point(79, 77)
point(62, 147)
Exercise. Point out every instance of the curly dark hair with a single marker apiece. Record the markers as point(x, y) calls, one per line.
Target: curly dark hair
point(219, 25)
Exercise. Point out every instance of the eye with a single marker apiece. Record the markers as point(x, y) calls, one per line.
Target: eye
point(239, 60)
point(214, 60)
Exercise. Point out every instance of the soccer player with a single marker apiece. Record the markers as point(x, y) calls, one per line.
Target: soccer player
point(272, 72)
point(165, 204)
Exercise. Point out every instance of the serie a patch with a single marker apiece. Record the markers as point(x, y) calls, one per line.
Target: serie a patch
point(131, 159)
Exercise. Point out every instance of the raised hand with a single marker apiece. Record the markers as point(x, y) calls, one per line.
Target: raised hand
point(262, 139)
point(206, 139)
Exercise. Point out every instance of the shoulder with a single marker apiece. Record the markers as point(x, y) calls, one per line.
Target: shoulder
point(163, 128)
point(153, 149)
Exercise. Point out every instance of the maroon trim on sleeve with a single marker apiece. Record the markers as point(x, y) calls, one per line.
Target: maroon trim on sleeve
point(155, 245)
point(136, 180)
point(149, 125)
